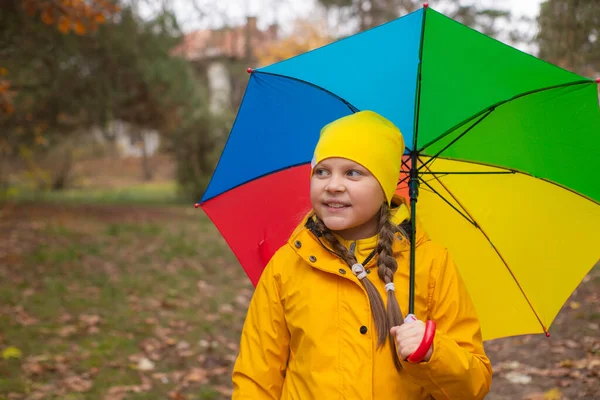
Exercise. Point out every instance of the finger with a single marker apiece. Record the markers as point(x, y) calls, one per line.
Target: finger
point(408, 327)
point(408, 331)
point(406, 351)
point(410, 342)
point(407, 347)
point(404, 336)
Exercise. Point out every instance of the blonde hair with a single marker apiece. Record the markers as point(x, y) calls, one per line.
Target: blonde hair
point(383, 318)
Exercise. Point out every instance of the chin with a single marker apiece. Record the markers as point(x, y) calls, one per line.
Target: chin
point(334, 224)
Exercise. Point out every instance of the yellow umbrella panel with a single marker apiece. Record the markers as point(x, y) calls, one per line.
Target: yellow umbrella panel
point(522, 244)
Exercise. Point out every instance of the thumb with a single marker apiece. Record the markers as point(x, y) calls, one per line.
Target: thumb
point(393, 330)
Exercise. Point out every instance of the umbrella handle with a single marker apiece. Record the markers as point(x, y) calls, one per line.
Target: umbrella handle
point(426, 342)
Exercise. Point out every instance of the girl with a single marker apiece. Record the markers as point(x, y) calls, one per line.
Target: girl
point(326, 318)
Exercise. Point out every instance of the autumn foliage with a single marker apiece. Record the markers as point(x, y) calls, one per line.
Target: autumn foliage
point(78, 16)
point(306, 36)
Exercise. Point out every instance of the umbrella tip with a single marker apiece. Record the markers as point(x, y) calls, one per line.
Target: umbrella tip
point(196, 205)
point(425, 5)
point(547, 334)
point(597, 80)
point(249, 70)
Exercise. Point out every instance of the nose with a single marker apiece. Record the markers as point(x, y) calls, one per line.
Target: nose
point(335, 184)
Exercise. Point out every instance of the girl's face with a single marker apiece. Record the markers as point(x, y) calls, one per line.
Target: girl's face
point(346, 197)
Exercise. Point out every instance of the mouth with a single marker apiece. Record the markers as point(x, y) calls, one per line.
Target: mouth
point(336, 205)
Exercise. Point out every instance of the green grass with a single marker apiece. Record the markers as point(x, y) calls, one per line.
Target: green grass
point(140, 279)
point(151, 193)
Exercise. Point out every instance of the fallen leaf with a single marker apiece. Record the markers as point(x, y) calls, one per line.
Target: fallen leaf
point(518, 377)
point(176, 396)
point(567, 363)
point(593, 363)
point(78, 384)
point(23, 318)
point(196, 375)
point(182, 345)
point(92, 330)
point(558, 372)
point(226, 308)
point(33, 367)
point(571, 344)
point(219, 371)
point(145, 364)
point(574, 305)
point(11, 352)
point(563, 383)
point(161, 376)
point(553, 394)
point(576, 375)
point(224, 390)
point(64, 318)
point(67, 331)
point(90, 320)
point(242, 300)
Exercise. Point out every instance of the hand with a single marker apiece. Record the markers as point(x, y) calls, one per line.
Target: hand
point(408, 338)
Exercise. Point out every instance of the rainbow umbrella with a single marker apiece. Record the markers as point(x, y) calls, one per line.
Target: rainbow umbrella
point(502, 156)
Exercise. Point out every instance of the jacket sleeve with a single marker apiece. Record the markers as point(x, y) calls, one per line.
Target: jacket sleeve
point(458, 368)
point(259, 370)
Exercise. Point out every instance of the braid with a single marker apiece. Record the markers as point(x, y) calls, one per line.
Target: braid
point(386, 268)
point(377, 306)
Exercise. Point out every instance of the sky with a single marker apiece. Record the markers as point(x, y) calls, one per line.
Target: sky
point(234, 12)
point(287, 9)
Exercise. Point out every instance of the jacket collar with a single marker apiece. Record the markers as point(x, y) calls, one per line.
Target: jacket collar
point(317, 252)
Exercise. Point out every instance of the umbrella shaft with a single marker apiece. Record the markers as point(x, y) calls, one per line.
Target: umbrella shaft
point(413, 187)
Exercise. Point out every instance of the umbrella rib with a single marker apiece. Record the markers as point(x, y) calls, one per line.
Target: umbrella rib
point(460, 124)
point(204, 200)
point(517, 171)
point(469, 173)
point(346, 102)
point(456, 139)
point(450, 204)
point(498, 253)
point(417, 109)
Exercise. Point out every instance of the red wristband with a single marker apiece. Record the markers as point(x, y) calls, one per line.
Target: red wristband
point(425, 345)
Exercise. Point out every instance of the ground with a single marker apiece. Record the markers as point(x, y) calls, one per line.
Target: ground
point(147, 302)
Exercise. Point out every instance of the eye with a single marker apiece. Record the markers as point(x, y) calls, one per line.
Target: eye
point(321, 172)
point(354, 173)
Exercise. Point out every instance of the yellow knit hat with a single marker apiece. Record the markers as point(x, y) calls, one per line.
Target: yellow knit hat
point(368, 139)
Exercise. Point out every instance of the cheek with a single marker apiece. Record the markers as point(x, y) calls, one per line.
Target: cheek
point(315, 189)
point(370, 192)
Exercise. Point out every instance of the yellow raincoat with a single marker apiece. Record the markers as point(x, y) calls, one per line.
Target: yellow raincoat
point(309, 333)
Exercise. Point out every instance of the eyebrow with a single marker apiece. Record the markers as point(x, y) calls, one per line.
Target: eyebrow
point(348, 164)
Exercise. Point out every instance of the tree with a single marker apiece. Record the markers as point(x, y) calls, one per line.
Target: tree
point(370, 13)
point(58, 83)
point(305, 36)
point(569, 35)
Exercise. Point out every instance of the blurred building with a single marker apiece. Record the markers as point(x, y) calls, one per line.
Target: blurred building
point(220, 56)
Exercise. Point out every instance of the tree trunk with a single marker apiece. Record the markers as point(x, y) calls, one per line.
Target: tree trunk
point(146, 164)
point(61, 179)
